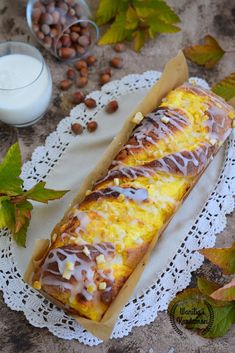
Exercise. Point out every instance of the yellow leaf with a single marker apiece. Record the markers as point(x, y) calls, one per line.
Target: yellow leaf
point(131, 18)
point(106, 11)
point(139, 38)
point(116, 32)
point(226, 87)
point(207, 54)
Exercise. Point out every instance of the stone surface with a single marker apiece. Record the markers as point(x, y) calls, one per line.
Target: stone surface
point(198, 19)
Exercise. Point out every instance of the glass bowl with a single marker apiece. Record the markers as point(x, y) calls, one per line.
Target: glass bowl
point(63, 27)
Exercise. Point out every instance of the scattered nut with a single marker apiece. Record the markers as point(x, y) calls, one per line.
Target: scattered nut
point(81, 82)
point(80, 64)
point(104, 78)
point(65, 85)
point(84, 72)
point(119, 47)
point(71, 74)
point(91, 60)
point(107, 71)
point(92, 126)
point(111, 107)
point(77, 97)
point(77, 129)
point(90, 103)
point(116, 62)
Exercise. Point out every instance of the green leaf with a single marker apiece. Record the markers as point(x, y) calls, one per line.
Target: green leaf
point(157, 8)
point(116, 32)
point(132, 20)
point(227, 292)
point(41, 194)
point(20, 237)
point(206, 287)
point(7, 215)
point(207, 54)
point(226, 87)
point(22, 214)
point(106, 11)
point(10, 169)
point(139, 38)
point(159, 26)
point(224, 317)
point(222, 257)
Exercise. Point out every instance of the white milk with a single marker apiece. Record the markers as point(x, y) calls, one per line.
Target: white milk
point(25, 91)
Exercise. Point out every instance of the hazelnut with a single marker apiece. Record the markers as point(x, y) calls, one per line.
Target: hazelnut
point(76, 28)
point(111, 107)
point(76, 128)
point(40, 35)
point(84, 72)
point(119, 47)
point(54, 32)
point(92, 126)
point(77, 97)
point(71, 74)
point(91, 60)
point(47, 18)
point(36, 13)
point(81, 82)
point(66, 41)
point(36, 28)
point(83, 41)
point(80, 64)
point(67, 53)
point(104, 78)
point(90, 103)
point(55, 17)
point(63, 6)
point(50, 8)
point(48, 42)
point(65, 85)
point(116, 62)
point(107, 71)
point(45, 29)
point(80, 50)
point(74, 37)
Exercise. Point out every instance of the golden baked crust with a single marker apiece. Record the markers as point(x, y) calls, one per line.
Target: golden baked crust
point(102, 239)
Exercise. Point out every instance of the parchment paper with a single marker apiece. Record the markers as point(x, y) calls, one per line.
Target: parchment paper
point(174, 74)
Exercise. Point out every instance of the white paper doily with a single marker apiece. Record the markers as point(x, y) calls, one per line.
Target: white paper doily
point(143, 308)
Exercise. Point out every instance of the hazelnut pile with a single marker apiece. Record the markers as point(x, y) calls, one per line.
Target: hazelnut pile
point(78, 76)
point(50, 23)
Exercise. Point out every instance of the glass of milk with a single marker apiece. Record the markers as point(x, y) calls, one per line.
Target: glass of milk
point(25, 84)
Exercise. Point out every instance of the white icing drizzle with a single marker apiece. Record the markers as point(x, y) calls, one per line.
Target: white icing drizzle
point(152, 124)
point(84, 268)
point(137, 195)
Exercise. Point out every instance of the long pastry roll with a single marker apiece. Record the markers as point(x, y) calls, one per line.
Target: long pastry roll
point(101, 240)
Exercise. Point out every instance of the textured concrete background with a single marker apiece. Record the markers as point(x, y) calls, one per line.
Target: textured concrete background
point(199, 17)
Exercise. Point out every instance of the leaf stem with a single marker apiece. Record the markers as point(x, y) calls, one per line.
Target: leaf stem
point(18, 199)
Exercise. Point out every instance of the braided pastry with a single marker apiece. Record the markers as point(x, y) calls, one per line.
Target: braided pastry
point(102, 239)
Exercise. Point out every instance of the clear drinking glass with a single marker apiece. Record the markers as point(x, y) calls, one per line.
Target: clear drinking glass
point(63, 27)
point(25, 84)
